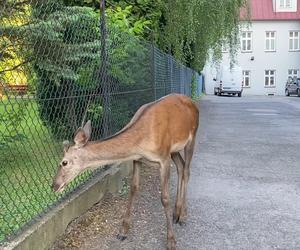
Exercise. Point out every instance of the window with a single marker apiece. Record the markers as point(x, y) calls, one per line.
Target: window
point(270, 41)
point(269, 78)
point(294, 40)
point(285, 3)
point(293, 73)
point(246, 41)
point(246, 78)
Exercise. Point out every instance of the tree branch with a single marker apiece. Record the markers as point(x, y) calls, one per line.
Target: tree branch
point(15, 67)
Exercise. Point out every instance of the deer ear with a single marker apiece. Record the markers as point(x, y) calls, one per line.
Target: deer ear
point(83, 135)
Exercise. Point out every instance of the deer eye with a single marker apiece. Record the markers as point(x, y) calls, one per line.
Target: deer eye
point(64, 163)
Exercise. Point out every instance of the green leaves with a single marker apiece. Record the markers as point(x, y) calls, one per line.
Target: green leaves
point(187, 29)
point(193, 28)
point(124, 20)
point(11, 120)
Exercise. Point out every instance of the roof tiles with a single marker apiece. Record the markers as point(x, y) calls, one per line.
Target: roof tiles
point(263, 10)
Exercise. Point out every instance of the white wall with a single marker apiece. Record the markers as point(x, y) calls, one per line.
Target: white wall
point(281, 60)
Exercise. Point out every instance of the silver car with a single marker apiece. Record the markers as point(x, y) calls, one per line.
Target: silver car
point(292, 86)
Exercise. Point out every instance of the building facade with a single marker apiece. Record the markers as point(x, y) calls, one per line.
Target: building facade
point(269, 48)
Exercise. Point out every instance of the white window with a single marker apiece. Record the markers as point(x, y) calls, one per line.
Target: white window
point(269, 78)
point(270, 41)
point(294, 40)
point(246, 41)
point(285, 4)
point(246, 78)
point(293, 73)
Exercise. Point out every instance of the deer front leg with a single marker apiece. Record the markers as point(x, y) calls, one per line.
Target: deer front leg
point(176, 157)
point(165, 199)
point(133, 191)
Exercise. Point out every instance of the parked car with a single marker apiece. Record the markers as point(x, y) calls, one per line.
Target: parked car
point(292, 86)
point(229, 81)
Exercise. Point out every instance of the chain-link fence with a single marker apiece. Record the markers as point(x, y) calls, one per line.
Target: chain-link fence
point(58, 68)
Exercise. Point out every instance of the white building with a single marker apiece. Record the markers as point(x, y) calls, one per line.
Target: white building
point(269, 48)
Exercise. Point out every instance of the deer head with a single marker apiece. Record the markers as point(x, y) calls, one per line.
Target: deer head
point(73, 162)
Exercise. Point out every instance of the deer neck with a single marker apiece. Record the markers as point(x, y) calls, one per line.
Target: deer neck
point(117, 149)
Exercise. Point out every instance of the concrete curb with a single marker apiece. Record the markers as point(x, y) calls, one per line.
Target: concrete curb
point(44, 233)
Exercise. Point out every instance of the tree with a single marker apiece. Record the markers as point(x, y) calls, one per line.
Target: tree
point(67, 62)
point(194, 28)
point(189, 29)
point(60, 47)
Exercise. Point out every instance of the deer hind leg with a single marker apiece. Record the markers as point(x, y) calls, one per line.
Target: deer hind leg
point(176, 157)
point(133, 191)
point(165, 199)
point(188, 154)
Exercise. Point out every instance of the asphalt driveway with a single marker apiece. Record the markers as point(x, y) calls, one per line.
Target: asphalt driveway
point(244, 191)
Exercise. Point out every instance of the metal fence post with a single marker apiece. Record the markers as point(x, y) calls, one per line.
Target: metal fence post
point(168, 85)
point(171, 74)
point(103, 71)
point(153, 68)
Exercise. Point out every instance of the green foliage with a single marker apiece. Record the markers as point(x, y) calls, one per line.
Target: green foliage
point(194, 87)
point(123, 20)
point(12, 116)
point(66, 55)
point(151, 10)
point(27, 167)
point(187, 29)
point(60, 45)
point(194, 28)
point(67, 63)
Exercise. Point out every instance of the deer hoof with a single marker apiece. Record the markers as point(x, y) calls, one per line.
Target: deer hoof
point(179, 220)
point(121, 237)
point(182, 223)
point(175, 218)
point(171, 244)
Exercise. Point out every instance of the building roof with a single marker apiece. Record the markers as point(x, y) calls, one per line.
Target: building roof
point(263, 10)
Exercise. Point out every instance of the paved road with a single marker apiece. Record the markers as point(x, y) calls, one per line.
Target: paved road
point(245, 185)
point(244, 191)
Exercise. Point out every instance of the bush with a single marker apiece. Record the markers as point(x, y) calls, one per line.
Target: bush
point(69, 81)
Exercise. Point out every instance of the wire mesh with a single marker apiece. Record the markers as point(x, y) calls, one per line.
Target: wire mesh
point(51, 79)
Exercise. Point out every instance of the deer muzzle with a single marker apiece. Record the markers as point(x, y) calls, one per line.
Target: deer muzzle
point(58, 182)
point(56, 187)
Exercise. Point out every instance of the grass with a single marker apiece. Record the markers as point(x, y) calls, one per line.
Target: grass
point(27, 167)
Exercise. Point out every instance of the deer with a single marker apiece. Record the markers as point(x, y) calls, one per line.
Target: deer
point(154, 137)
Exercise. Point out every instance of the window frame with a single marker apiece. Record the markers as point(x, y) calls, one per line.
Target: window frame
point(246, 76)
point(293, 38)
point(292, 75)
point(285, 4)
point(270, 38)
point(247, 39)
point(269, 78)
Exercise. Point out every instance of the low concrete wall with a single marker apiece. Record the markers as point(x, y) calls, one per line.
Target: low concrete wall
point(43, 234)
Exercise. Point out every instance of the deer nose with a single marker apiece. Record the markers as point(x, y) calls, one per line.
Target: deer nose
point(55, 186)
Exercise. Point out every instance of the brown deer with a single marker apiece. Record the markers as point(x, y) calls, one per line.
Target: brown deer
point(154, 136)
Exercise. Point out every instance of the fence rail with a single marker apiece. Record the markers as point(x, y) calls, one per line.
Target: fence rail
point(55, 50)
